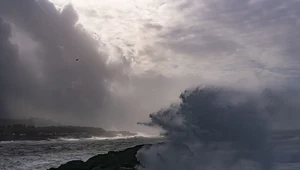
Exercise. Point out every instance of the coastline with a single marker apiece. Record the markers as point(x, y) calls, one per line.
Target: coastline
point(113, 160)
point(20, 132)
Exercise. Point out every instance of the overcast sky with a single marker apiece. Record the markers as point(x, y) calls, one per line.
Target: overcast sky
point(135, 57)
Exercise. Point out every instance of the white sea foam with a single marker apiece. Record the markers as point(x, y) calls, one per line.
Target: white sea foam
point(138, 135)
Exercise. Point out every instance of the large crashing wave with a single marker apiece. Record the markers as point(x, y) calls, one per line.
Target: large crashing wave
point(212, 129)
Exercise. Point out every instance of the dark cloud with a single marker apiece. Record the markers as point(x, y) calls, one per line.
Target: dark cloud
point(236, 33)
point(280, 16)
point(153, 26)
point(9, 55)
point(67, 87)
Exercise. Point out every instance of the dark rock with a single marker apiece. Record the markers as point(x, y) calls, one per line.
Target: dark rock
point(72, 165)
point(113, 160)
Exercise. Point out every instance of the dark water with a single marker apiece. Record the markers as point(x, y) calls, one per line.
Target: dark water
point(38, 155)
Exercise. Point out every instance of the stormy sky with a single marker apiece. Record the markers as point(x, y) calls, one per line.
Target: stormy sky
point(135, 57)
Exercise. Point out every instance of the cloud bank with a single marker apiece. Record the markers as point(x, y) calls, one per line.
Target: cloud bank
point(52, 67)
point(131, 52)
point(61, 85)
point(249, 42)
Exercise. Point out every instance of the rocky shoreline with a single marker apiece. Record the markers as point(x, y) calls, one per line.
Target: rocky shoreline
point(113, 160)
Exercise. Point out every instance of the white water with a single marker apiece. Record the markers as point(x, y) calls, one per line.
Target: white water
point(139, 135)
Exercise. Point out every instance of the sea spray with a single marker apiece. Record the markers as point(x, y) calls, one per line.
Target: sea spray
point(212, 129)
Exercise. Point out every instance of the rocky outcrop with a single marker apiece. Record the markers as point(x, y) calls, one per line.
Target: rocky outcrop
point(113, 160)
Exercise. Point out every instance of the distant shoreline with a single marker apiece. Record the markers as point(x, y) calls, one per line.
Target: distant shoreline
point(19, 132)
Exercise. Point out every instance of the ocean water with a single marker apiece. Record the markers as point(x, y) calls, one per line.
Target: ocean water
point(41, 155)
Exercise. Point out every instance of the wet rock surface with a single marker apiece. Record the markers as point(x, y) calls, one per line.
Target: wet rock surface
point(113, 160)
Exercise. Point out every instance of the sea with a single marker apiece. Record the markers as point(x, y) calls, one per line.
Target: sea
point(42, 155)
